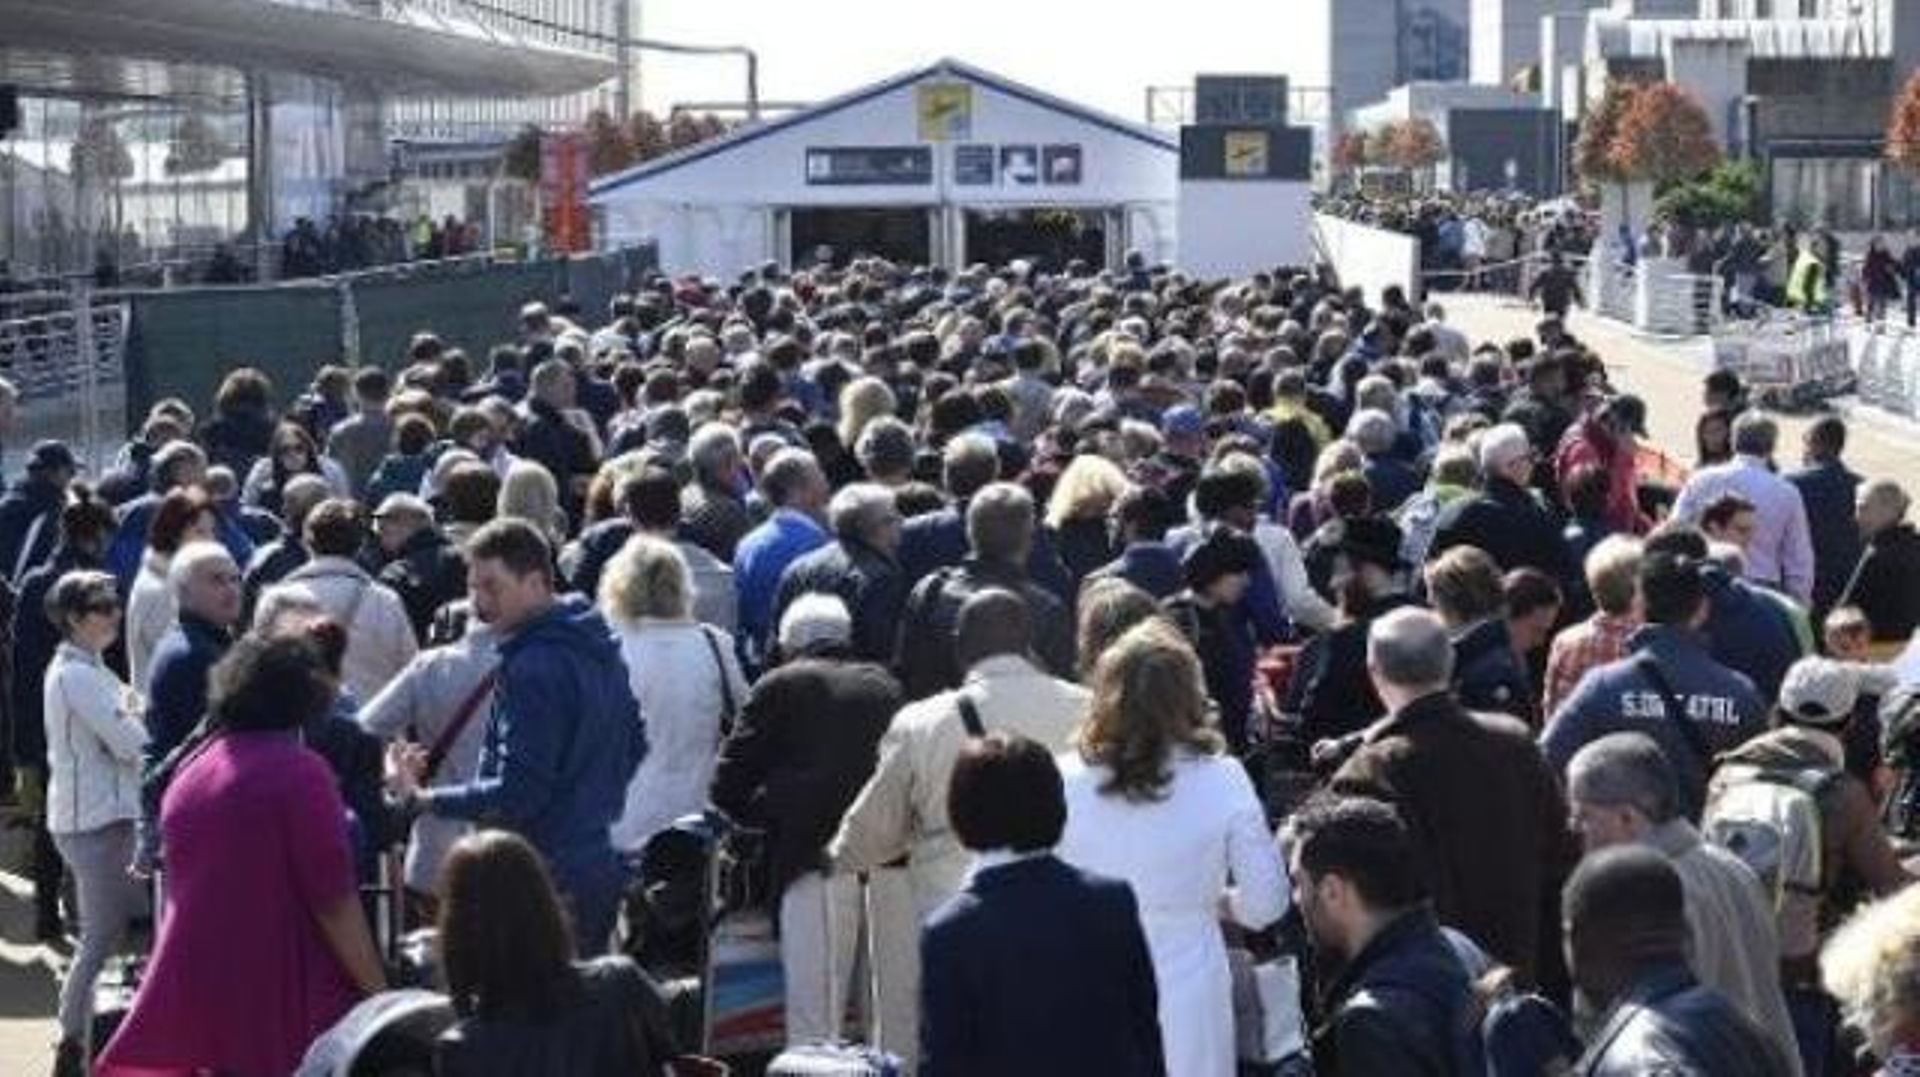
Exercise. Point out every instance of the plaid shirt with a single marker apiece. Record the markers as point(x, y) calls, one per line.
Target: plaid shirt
point(1593, 642)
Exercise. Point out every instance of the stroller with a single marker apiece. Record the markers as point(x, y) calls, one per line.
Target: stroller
point(389, 1035)
point(698, 918)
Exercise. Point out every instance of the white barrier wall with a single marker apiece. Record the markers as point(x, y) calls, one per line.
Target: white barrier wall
point(1234, 228)
point(1369, 258)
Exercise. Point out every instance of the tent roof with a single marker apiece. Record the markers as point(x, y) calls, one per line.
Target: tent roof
point(948, 67)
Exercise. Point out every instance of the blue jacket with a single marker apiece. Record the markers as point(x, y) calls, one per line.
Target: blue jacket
point(937, 540)
point(563, 741)
point(1037, 968)
point(177, 682)
point(585, 558)
point(1403, 1005)
point(1151, 566)
point(1261, 608)
point(1619, 697)
point(1747, 631)
point(130, 540)
point(1827, 490)
point(758, 561)
point(1488, 675)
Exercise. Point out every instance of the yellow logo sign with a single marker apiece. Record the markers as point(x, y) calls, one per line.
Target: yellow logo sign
point(1246, 153)
point(946, 111)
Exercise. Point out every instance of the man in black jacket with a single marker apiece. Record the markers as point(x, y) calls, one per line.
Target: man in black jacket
point(1625, 912)
point(860, 567)
point(1330, 691)
point(1000, 532)
point(803, 745)
point(1886, 585)
point(30, 512)
point(549, 438)
point(278, 559)
point(425, 569)
point(1506, 517)
point(1401, 1003)
point(1827, 489)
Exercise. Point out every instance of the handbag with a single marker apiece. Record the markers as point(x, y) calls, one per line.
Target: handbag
point(1267, 1023)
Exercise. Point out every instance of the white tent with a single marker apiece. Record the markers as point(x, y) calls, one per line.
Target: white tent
point(945, 164)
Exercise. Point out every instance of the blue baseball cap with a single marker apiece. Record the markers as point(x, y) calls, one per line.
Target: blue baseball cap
point(1183, 420)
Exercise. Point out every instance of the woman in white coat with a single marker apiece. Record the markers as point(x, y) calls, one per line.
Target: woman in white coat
point(94, 741)
point(685, 676)
point(1153, 799)
point(185, 515)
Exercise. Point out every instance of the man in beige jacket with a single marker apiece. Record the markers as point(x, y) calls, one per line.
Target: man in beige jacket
point(901, 814)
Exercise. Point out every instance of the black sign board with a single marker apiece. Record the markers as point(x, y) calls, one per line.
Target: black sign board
point(1246, 153)
point(874, 166)
point(1256, 100)
point(973, 165)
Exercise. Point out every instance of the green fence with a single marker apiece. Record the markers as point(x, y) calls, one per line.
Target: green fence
point(182, 342)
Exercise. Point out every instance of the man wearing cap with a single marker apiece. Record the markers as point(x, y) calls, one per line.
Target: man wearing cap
point(422, 567)
point(1330, 691)
point(1607, 437)
point(1218, 570)
point(1816, 703)
point(1506, 518)
point(30, 512)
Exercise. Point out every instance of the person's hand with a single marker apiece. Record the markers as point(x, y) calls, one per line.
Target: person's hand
point(406, 765)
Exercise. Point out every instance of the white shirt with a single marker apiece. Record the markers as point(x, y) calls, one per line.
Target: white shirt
point(94, 739)
point(151, 611)
point(672, 670)
point(380, 639)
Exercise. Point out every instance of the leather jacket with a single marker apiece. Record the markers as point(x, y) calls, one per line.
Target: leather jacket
point(1403, 1006)
point(1667, 1023)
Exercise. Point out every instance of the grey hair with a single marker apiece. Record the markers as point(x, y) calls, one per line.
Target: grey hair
point(1000, 522)
point(1454, 465)
point(277, 602)
point(647, 578)
point(1373, 430)
point(786, 473)
point(712, 445)
point(187, 562)
point(1625, 769)
point(1409, 648)
point(1755, 434)
point(859, 510)
point(1886, 494)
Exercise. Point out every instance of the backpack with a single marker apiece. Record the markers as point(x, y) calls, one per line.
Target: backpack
point(1770, 819)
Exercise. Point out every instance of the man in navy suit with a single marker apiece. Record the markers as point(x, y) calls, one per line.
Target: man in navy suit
point(1035, 967)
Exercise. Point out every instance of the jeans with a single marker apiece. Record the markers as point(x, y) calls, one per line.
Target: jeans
point(819, 936)
point(109, 900)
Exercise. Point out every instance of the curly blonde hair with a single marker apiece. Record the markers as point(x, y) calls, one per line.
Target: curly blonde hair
point(649, 579)
point(1085, 490)
point(861, 402)
point(1872, 965)
point(1149, 701)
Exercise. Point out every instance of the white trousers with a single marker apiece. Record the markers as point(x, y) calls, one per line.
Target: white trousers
point(893, 926)
point(819, 936)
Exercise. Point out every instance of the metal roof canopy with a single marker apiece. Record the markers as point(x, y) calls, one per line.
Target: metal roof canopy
point(403, 58)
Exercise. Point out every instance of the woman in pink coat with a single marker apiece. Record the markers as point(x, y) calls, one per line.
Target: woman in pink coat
point(263, 944)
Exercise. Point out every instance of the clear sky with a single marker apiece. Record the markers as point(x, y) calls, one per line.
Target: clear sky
point(1103, 54)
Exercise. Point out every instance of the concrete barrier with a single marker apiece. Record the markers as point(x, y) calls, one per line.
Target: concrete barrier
point(1369, 258)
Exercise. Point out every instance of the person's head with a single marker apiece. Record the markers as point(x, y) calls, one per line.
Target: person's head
point(1755, 434)
point(184, 515)
point(1819, 694)
point(530, 493)
point(269, 682)
point(1148, 702)
point(1229, 495)
point(647, 580)
point(244, 389)
point(86, 521)
point(1220, 566)
point(862, 401)
point(509, 574)
point(398, 519)
point(1086, 490)
point(506, 944)
point(1373, 430)
point(1140, 515)
point(1721, 391)
point(1366, 563)
point(206, 582)
point(553, 383)
point(886, 450)
point(1533, 602)
point(968, 464)
point(85, 607)
point(1713, 436)
point(1672, 591)
point(178, 463)
point(334, 528)
point(1505, 453)
point(1464, 586)
point(1354, 869)
point(1588, 489)
point(292, 450)
point(1825, 440)
point(1881, 504)
point(1619, 788)
point(52, 462)
point(469, 494)
point(1872, 966)
point(650, 499)
point(993, 623)
point(1730, 518)
point(793, 480)
point(814, 625)
point(1408, 656)
point(1613, 575)
point(714, 451)
point(1623, 910)
point(1000, 521)
point(1006, 793)
point(866, 513)
point(1108, 607)
point(1848, 634)
point(371, 387)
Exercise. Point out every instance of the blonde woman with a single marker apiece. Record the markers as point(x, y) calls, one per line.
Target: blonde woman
point(1154, 800)
point(1077, 513)
point(1310, 508)
point(530, 493)
point(1872, 965)
point(683, 673)
point(861, 402)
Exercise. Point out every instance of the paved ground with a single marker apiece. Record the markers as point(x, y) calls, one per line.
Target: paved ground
point(1666, 373)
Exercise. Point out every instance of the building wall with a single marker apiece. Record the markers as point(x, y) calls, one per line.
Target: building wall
point(1506, 34)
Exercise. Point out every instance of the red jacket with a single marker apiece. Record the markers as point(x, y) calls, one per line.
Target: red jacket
point(1590, 442)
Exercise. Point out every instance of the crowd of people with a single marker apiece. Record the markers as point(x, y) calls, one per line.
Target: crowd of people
point(1068, 636)
point(365, 240)
point(1472, 240)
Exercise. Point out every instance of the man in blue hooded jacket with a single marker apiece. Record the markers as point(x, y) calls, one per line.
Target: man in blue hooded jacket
point(565, 735)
